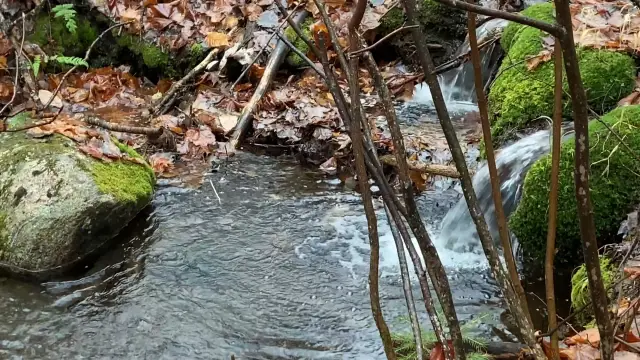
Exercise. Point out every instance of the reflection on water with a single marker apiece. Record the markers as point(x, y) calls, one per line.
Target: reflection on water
point(277, 271)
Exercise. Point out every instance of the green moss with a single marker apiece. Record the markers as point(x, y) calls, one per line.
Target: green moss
point(4, 233)
point(580, 295)
point(543, 11)
point(152, 55)
point(294, 59)
point(134, 154)
point(127, 182)
point(614, 184)
point(53, 36)
point(519, 96)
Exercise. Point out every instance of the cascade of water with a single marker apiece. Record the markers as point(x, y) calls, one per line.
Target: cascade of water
point(458, 230)
point(458, 84)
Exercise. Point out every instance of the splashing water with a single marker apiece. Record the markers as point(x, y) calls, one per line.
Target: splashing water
point(458, 84)
point(458, 230)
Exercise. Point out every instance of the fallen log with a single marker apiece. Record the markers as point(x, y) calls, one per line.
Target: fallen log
point(433, 169)
point(275, 60)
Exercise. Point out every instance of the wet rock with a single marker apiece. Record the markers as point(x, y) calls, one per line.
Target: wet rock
point(614, 187)
point(520, 96)
point(58, 205)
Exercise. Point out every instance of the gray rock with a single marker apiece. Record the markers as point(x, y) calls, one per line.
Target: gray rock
point(58, 205)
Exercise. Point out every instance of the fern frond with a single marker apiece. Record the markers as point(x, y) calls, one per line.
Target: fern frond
point(69, 60)
point(68, 13)
point(36, 65)
point(476, 343)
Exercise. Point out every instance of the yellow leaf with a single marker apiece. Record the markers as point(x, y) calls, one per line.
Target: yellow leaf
point(3, 62)
point(217, 39)
point(230, 22)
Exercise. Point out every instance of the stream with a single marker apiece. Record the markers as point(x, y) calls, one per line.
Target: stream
point(275, 268)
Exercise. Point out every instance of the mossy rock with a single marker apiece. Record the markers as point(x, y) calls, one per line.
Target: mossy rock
point(614, 183)
point(294, 59)
point(57, 204)
point(581, 294)
point(519, 96)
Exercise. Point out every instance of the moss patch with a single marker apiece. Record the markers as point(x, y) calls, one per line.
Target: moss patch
point(152, 55)
point(543, 11)
point(52, 34)
point(127, 182)
point(580, 293)
point(614, 183)
point(294, 59)
point(519, 96)
point(4, 233)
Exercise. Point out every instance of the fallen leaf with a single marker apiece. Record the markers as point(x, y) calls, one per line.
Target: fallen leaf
point(3, 62)
point(217, 39)
point(633, 272)
point(589, 336)
point(625, 355)
point(228, 122)
point(161, 163)
point(330, 166)
point(45, 96)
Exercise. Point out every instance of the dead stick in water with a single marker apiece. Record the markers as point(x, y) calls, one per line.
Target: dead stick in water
point(433, 169)
point(276, 59)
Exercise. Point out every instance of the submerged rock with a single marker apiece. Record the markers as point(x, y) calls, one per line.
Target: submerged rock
point(58, 205)
point(614, 185)
point(520, 96)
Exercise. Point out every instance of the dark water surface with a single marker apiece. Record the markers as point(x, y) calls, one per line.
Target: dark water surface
point(278, 270)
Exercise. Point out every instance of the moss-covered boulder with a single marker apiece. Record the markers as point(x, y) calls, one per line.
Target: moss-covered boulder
point(58, 205)
point(615, 188)
point(519, 96)
point(442, 25)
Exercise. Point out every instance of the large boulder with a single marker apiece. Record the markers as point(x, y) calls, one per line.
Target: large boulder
point(614, 184)
point(519, 96)
point(58, 205)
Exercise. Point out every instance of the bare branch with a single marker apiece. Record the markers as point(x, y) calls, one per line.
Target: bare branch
point(15, 82)
point(34, 125)
point(377, 43)
point(552, 29)
point(149, 131)
point(164, 105)
point(301, 54)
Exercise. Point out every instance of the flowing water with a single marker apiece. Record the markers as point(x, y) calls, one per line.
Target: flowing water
point(276, 270)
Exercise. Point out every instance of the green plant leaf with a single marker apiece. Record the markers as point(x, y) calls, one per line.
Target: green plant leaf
point(36, 65)
point(68, 13)
point(69, 60)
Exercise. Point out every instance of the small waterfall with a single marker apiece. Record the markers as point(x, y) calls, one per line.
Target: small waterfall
point(458, 84)
point(458, 230)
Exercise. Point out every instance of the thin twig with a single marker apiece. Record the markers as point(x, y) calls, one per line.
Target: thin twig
point(266, 45)
point(15, 83)
point(299, 53)
point(86, 58)
point(142, 130)
point(216, 192)
point(30, 126)
point(377, 43)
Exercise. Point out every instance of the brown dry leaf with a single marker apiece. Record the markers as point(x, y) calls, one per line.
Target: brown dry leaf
point(633, 272)
point(542, 57)
point(161, 163)
point(228, 122)
point(319, 29)
point(45, 96)
point(631, 99)
point(6, 90)
point(335, 3)
point(255, 72)
point(3, 62)
point(625, 355)
point(230, 22)
point(252, 11)
point(589, 336)
point(217, 39)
